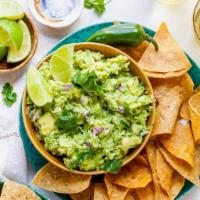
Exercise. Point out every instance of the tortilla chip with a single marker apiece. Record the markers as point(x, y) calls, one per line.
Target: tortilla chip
point(115, 191)
point(194, 110)
point(170, 56)
point(164, 172)
point(100, 192)
point(146, 193)
point(178, 182)
point(197, 157)
point(130, 196)
point(166, 75)
point(12, 190)
point(184, 111)
point(141, 160)
point(170, 94)
point(53, 179)
point(135, 52)
point(181, 143)
point(151, 153)
point(182, 167)
point(136, 174)
point(84, 195)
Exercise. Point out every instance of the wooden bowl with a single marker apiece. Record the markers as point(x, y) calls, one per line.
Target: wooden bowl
point(108, 51)
point(16, 68)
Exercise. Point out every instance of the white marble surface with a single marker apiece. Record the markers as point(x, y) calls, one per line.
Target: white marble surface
point(149, 13)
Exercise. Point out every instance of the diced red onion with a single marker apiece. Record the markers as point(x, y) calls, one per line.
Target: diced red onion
point(69, 86)
point(36, 115)
point(121, 88)
point(121, 109)
point(97, 130)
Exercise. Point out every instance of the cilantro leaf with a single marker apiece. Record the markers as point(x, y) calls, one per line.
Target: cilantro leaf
point(87, 81)
point(97, 5)
point(9, 96)
point(67, 122)
point(85, 155)
point(113, 166)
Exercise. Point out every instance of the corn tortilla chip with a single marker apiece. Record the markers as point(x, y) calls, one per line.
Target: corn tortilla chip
point(166, 75)
point(184, 111)
point(164, 172)
point(181, 143)
point(170, 56)
point(178, 182)
point(182, 167)
point(130, 196)
point(100, 192)
point(151, 154)
point(147, 192)
point(194, 110)
point(135, 52)
point(136, 174)
point(12, 190)
point(197, 157)
point(53, 179)
point(84, 195)
point(115, 191)
point(170, 94)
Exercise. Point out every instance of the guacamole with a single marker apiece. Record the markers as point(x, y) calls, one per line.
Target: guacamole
point(95, 120)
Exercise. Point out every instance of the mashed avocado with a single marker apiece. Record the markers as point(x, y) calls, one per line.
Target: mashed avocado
point(96, 119)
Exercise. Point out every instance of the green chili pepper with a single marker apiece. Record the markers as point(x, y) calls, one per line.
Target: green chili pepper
point(126, 34)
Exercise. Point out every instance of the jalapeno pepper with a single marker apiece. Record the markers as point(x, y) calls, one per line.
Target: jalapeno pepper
point(126, 34)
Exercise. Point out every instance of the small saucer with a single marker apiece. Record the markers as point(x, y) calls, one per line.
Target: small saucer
point(67, 21)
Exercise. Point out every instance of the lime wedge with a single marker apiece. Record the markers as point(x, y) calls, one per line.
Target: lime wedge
point(3, 52)
point(15, 55)
point(11, 34)
point(61, 63)
point(37, 88)
point(10, 9)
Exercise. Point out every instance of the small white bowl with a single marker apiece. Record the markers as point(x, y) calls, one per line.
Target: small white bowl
point(69, 19)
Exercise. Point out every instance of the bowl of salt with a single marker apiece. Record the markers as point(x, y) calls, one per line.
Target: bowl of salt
point(56, 13)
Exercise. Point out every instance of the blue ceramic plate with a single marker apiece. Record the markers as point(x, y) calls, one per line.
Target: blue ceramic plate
point(42, 196)
point(36, 160)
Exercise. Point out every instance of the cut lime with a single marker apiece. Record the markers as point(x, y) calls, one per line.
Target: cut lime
point(3, 52)
point(37, 88)
point(10, 9)
point(15, 55)
point(61, 63)
point(11, 34)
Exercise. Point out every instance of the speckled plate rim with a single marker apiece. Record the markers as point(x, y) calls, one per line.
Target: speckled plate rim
point(41, 195)
point(31, 151)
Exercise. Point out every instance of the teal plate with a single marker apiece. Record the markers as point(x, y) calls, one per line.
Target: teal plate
point(42, 196)
point(35, 159)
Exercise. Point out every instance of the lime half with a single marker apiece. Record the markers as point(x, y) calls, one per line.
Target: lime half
point(10, 9)
point(61, 63)
point(15, 55)
point(37, 88)
point(11, 34)
point(3, 52)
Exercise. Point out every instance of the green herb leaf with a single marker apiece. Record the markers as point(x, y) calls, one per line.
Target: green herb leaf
point(9, 96)
point(83, 156)
point(113, 166)
point(87, 81)
point(97, 5)
point(67, 122)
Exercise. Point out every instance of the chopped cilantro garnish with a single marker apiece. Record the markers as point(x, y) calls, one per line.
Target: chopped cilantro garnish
point(67, 121)
point(87, 81)
point(97, 5)
point(113, 166)
point(9, 96)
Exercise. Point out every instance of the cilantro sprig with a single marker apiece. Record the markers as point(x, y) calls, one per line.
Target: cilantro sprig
point(9, 96)
point(97, 5)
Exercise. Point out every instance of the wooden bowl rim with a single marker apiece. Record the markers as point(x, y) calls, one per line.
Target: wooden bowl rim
point(49, 157)
point(34, 35)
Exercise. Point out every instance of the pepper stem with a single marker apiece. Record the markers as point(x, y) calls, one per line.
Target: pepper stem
point(151, 40)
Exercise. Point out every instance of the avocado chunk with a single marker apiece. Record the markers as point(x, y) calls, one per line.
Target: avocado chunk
point(46, 123)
